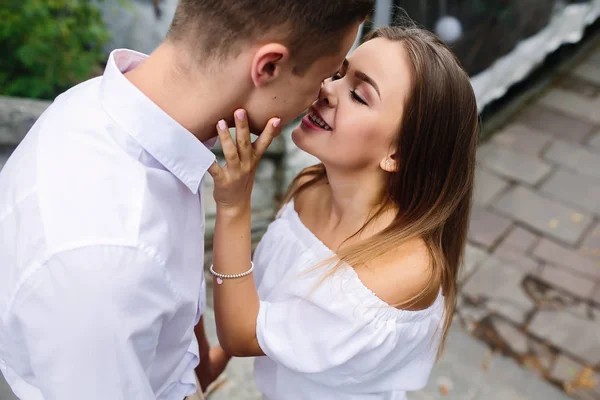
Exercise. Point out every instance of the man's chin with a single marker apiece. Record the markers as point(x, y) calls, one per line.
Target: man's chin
point(255, 129)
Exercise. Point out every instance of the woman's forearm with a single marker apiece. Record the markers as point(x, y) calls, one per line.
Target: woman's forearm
point(236, 301)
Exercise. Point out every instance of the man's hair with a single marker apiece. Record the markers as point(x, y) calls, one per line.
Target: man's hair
point(309, 28)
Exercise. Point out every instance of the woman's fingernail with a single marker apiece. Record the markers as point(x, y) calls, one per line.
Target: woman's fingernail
point(240, 114)
point(222, 125)
point(276, 123)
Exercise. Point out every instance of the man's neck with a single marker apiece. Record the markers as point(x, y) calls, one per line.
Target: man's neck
point(175, 84)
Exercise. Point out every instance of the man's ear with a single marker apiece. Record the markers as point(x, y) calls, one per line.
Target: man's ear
point(268, 62)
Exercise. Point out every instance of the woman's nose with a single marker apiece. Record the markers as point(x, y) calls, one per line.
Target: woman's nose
point(327, 95)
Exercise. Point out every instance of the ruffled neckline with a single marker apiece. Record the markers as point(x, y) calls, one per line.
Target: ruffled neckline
point(359, 294)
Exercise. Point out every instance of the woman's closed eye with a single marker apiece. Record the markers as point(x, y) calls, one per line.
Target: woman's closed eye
point(357, 98)
point(353, 94)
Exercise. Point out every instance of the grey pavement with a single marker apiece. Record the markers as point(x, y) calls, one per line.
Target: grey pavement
point(237, 381)
point(531, 289)
point(469, 370)
point(5, 392)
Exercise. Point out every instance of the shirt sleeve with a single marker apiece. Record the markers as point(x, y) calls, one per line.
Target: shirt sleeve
point(89, 320)
point(342, 334)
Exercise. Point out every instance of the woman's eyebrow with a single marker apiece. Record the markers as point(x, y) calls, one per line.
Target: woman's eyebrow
point(363, 77)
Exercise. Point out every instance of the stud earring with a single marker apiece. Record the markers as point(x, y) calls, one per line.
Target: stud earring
point(388, 163)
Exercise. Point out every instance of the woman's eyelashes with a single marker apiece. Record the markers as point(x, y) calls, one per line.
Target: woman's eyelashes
point(357, 98)
point(353, 94)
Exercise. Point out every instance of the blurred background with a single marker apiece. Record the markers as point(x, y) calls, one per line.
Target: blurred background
point(49, 45)
point(528, 321)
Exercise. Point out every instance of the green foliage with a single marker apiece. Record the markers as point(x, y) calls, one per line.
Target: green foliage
point(48, 46)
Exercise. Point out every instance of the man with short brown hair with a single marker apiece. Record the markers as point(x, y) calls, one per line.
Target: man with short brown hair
point(310, 29)
point(101, 218)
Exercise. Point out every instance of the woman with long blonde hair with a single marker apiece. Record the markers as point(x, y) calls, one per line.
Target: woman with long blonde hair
point(353, 287)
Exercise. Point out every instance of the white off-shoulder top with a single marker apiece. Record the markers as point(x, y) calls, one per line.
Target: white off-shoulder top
point(332, 339)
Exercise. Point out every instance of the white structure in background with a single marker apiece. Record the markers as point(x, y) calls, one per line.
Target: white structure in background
point(566, 26)
point(448, 28)
point(383, 13)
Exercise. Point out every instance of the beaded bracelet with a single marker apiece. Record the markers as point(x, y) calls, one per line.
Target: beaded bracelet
point(220, 277)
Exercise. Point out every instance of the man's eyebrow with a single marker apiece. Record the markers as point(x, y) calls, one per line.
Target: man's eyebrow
point(342, 69)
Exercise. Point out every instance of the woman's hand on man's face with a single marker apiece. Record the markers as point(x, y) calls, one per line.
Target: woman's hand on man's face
point(234, 181)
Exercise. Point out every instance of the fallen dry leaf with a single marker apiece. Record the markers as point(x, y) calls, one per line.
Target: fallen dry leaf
point(485, 365)
point(533, 363)
point(583, 381)
point(444, 390)
point(445, 385)
point(576, 217)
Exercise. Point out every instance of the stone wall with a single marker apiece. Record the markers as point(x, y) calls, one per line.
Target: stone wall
point(295, 160)
point(16, 118)
point(134, 25)
point(18, 115)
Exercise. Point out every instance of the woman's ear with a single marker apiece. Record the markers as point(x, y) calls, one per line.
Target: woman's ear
point(389, 163)
point(268, 63)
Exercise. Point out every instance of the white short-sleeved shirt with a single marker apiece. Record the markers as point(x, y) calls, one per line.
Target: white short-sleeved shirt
point(335, 339)
point(102, 248)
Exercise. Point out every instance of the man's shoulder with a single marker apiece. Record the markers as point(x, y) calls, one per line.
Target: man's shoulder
point(88, 87)
point(78, 103)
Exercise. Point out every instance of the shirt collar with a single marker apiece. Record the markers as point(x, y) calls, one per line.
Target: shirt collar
point(177, 149)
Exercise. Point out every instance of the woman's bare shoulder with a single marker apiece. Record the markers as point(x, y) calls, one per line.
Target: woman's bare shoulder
point(402, 274)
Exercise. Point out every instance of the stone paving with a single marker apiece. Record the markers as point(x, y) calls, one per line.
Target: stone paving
point(469, 370)
point(531, 285)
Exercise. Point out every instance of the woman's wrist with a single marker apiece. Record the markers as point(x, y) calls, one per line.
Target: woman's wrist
point(234, 210)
